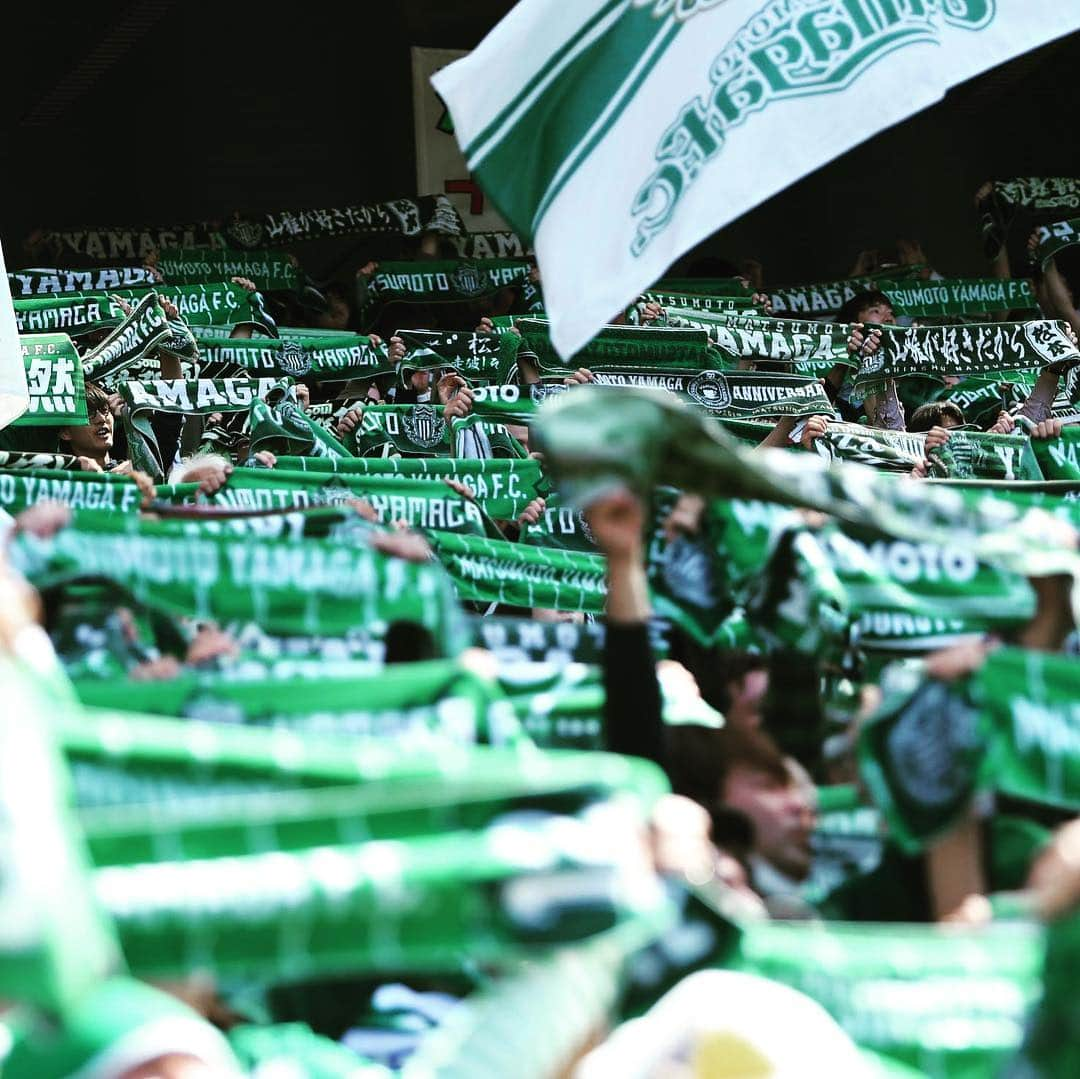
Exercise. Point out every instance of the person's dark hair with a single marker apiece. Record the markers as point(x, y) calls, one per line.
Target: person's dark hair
point(96, 398)
point(932, 413)
point(408, 642)
point(701, 759)
point(852, 310)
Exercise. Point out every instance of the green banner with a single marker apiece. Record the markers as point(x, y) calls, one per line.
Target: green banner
point(441, 282)
point(1059, 457)
point(54, 381)
point(269, 270)
point(79, 490)
point(479, 357)
point(74, 314)
point(325, 359)
point(25, 284)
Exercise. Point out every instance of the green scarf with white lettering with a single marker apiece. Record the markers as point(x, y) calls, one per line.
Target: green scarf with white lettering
point(827, 297)
point(421, 431)
point(1042, 199)
point(439, 282)
point(503, 486)
point(74, 314)
point(269, 270)
point(983, 349)
point(211, 304)
point(479, 357)
point(328, 359)
point(948, 298)
point(1009, 727)
point(186, 397)
point(105, 491)
point(54, 382)
point(141, 332)
point(497, 571)
point(25, 284)
point(420, 503)
point(966, 455)
point(1059, 457)
point(317, 587)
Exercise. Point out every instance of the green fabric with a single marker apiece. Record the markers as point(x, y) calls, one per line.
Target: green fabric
point(277, 423)
point(594, 439)
point(441, 282)
point(966, 455)
point(622, 349)
point(812, 347)
point(698, 301)
point(419, 431)
point(326, 359)
point(1009, 727)
point(396, 217)
point(74, 314)
point(268, 270)
point(25, 284)
point(317, 587)
point(80, 490)
point(497, 571)
point(983, 349)
point(479, 357)
point(983, 399)
point(54, 381)
point(829, 296)
point(1058, 457)
point(54, 942)
point(503, 487)
point(140, 333)
point(514, 640)
point(411, 704)
point(949, 1002)
point(978, 296)
point(284, 1047)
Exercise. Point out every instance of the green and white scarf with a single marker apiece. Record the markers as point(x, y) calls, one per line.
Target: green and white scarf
point(399, 217)
point(440, 282)
point(184, 397)
point(811, 347)
point(497, 571)
point(826, 298)
point(329, 359)
point(420, 503)
point(1042, 198)
point(944, 1001)
point(413, 704)
point(1059, 457)
point(277, 423)
point(211, 304)
point(479, 357)
point(978, 296)
point(421, 431)
point(269, 270)
point(1011, 727)
point(983, 349)
point(503, 486)
point(624, 349)
point(140, 333)
point(982, 399)
point(967, 454)
point(54, 381)
point(523, 640)
point(318, 587)
point(73, 314)
point(104, 491)
point(21, 461)
point(693, 301)
point(51, 282)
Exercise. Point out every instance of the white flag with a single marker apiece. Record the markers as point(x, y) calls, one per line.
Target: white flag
point(14, 398)
point(617, 134)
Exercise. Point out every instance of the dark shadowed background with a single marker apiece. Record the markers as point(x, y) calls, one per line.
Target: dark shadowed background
point(166, 111)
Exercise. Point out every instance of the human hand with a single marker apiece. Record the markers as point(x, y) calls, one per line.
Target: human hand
point(580, 377)
point(863, 343)
point(865, 262)
point(43, 519)
point(910, 253)
point(156, 670)
point(532, 513)
point(1047, 429)
point(215, 477)
point(650, 311)
point(936, 436)
point(209, 643)
point(265, 458)
point(245, 283)
point(1003, 425)
point(616, 521)
point(88, 464)
point(396, 350)
point(368, 269)
point(349, 422)
point(685, 517)
point(460, 488)
point(410, 546)
point(814, 428)
point(485, 325)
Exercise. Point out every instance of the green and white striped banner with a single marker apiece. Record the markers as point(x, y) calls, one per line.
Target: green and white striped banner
point(616, 134)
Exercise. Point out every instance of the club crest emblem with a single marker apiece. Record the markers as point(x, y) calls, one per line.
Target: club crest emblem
point(244, 233)
point(424, 426)
point(468, 280)
point(294, 360)
point(711, 390)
